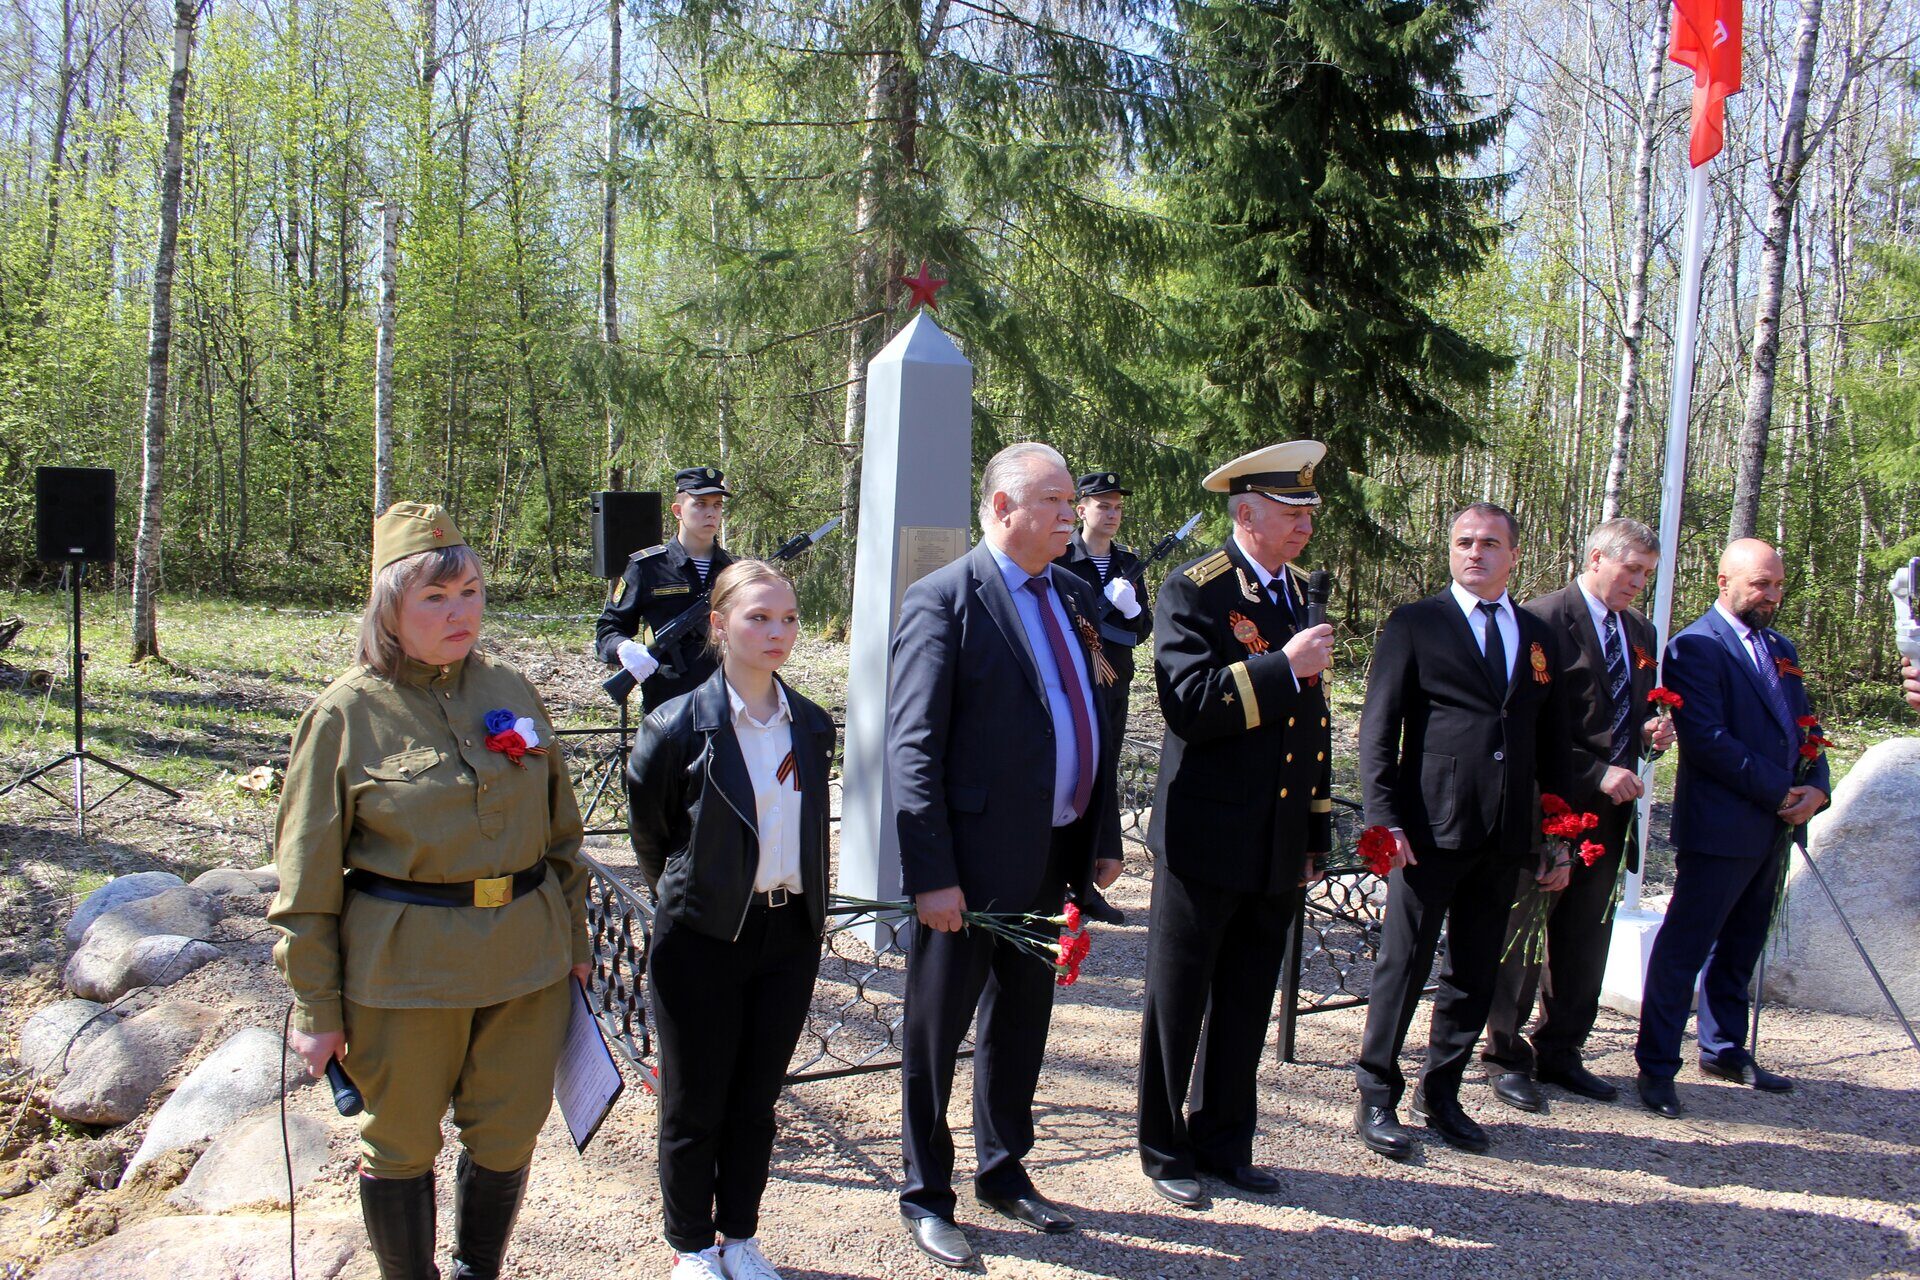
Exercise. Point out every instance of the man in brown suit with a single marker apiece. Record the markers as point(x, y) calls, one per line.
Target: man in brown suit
point(1610, 650)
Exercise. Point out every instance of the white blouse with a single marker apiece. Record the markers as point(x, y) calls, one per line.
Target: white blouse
point(768, 749)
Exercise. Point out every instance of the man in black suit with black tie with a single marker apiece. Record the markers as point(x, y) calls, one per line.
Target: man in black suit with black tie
point(1242, 818)
point(1005, 802)
point(1464, 718)
point(1610, 669)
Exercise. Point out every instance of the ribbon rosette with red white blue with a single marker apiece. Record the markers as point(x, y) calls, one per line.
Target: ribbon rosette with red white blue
point(513, 736)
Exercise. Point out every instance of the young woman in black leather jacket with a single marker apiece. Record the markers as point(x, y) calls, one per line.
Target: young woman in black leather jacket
point(728, 795)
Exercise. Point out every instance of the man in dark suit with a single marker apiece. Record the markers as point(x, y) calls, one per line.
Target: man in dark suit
point(1609, 671)
point(1101, 501)
point(1005, 803)
point(663, 582)
point(1737, 791)
point(1464, 722)
point(1243, 815)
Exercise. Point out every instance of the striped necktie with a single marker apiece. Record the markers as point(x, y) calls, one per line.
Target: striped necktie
point(1619, 684)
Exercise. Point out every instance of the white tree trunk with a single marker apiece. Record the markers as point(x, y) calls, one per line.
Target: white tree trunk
point(383, 358)
point(1783, 193)
point(609, 238)
point(1639, 249)
point(146, 547)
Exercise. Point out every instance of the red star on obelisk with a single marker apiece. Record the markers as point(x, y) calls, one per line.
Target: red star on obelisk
point(924, 287)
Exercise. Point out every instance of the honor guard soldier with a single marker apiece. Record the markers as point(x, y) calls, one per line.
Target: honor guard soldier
point(1242, 819)
point(432, 900)
point(663, 582)
point(1124, 621)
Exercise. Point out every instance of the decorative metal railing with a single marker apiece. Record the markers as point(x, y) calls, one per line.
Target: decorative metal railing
point(858, 1002)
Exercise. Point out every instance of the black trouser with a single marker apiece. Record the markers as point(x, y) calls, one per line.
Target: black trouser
point(1471, 892)
point(948, 975)
point(728, 1015)
point(1213, 962)
point(1579, 935)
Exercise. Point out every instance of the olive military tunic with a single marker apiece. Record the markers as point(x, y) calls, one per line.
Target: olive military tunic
point(393, 776)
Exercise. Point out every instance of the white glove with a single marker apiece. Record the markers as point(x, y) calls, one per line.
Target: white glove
point(637, 660)
point(1121, 593)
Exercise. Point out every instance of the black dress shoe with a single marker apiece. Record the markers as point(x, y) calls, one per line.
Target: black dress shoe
point(939, 1239)
point(1751, 1073)
point(1030, 1210)
point(1246, 1177)
point(1095, 907)
point(1448, 1119)
point(1517, 1090)
point(1575, 1078)
point(1659, 1096)
point(1382, 1131)
point(1184, 1192)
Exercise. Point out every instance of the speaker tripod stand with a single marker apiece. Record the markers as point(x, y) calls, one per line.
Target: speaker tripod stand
point(80, 757)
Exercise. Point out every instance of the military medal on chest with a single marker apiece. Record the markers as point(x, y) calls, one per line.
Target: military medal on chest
point(1096, 656)
point(1537, 659)
point(1247, 632)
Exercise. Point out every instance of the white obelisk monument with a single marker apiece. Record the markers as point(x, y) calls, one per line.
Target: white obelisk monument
point(916, 508)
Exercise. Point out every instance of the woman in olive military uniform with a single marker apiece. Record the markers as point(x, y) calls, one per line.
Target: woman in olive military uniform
point(728, 790)
point(431, 900)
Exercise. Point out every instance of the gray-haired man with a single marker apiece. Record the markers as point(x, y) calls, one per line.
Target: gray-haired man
point(1609, 649)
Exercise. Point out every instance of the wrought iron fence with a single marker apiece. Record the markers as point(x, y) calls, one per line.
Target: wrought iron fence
point(858, 1005)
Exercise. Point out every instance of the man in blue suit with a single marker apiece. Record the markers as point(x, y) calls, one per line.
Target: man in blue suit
point(1739, 748)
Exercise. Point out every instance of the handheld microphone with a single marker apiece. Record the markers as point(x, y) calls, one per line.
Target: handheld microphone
point(1319, 587)
point(346, 1098)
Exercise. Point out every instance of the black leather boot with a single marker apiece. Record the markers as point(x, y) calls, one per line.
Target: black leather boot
point(399, 1218)
point(485, 1205)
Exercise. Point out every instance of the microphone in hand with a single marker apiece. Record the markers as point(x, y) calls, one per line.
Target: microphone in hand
point(1319, 587)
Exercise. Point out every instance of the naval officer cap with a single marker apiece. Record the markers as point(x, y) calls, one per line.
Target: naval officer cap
point(408, 528)
point(701, 480)
point(1096, 483)
point(1280, 472)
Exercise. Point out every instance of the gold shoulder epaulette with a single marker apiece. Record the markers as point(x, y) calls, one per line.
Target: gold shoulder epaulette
point(1297, 571)
point(644, 552)
point(1208, 568)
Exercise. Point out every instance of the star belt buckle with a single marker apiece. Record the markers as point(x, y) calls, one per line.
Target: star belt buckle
point(494, 891)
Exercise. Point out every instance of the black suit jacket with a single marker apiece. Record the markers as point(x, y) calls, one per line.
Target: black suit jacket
point(659, 584)
point(1118, 635)
point(1446, 756)
point(1589, 701)
point(1246, 767)
point(970, 753)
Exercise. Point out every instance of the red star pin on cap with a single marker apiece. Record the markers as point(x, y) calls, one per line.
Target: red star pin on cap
point(924, 287)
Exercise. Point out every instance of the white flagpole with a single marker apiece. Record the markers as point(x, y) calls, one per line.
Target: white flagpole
point(1674, 481)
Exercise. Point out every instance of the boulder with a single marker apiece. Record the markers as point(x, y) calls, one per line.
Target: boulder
point(115, 892)
point(224, 880)
point(217, 1248)
point(110, 1082)
point(247, 1164)
point(267, 877)
point(54, 1038)
point(99, 970)
point(237, 1079)
point(1864, 844)
point(159, 960)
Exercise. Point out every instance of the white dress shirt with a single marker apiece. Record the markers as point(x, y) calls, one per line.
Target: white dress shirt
point(1742, 630)
point(1267, 582)
point(1477, 619)
point(1599, 613)
point(766, 745)
point(1066, 751)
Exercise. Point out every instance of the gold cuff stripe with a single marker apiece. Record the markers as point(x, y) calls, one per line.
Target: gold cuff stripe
point(1249, 705)
point(1320, 806)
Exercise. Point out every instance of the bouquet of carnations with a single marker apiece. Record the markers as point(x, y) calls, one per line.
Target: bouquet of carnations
point(1030, 931)
point(1563, 828)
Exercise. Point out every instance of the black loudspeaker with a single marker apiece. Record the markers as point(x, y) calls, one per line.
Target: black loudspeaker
point(624, 522)
point(73, 513)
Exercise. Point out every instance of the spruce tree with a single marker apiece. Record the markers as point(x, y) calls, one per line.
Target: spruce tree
point(1324, 164)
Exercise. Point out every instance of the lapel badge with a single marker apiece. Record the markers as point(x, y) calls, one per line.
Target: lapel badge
point(1640, 659)
point(1246, 632)
point(1096, 655)
point(1247, 589)
point(1537, 659)
point(1785, 668)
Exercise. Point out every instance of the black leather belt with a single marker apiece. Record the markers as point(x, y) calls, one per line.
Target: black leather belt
point(495, 891)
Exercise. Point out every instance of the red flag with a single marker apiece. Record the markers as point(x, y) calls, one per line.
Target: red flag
point(1706, 37)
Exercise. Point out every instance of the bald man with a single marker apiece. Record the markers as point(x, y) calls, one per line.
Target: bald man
point(1738, 790)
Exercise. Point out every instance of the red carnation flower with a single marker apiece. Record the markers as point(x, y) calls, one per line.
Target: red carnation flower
point(1808, 722)
point(1072, 915)
point(1665, 697)
point(1376, 850)
point(1591, 851)
point(1553, 805)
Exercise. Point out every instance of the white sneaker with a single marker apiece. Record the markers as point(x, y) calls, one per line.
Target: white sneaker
point(704, 1265)
point(742, 1260)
